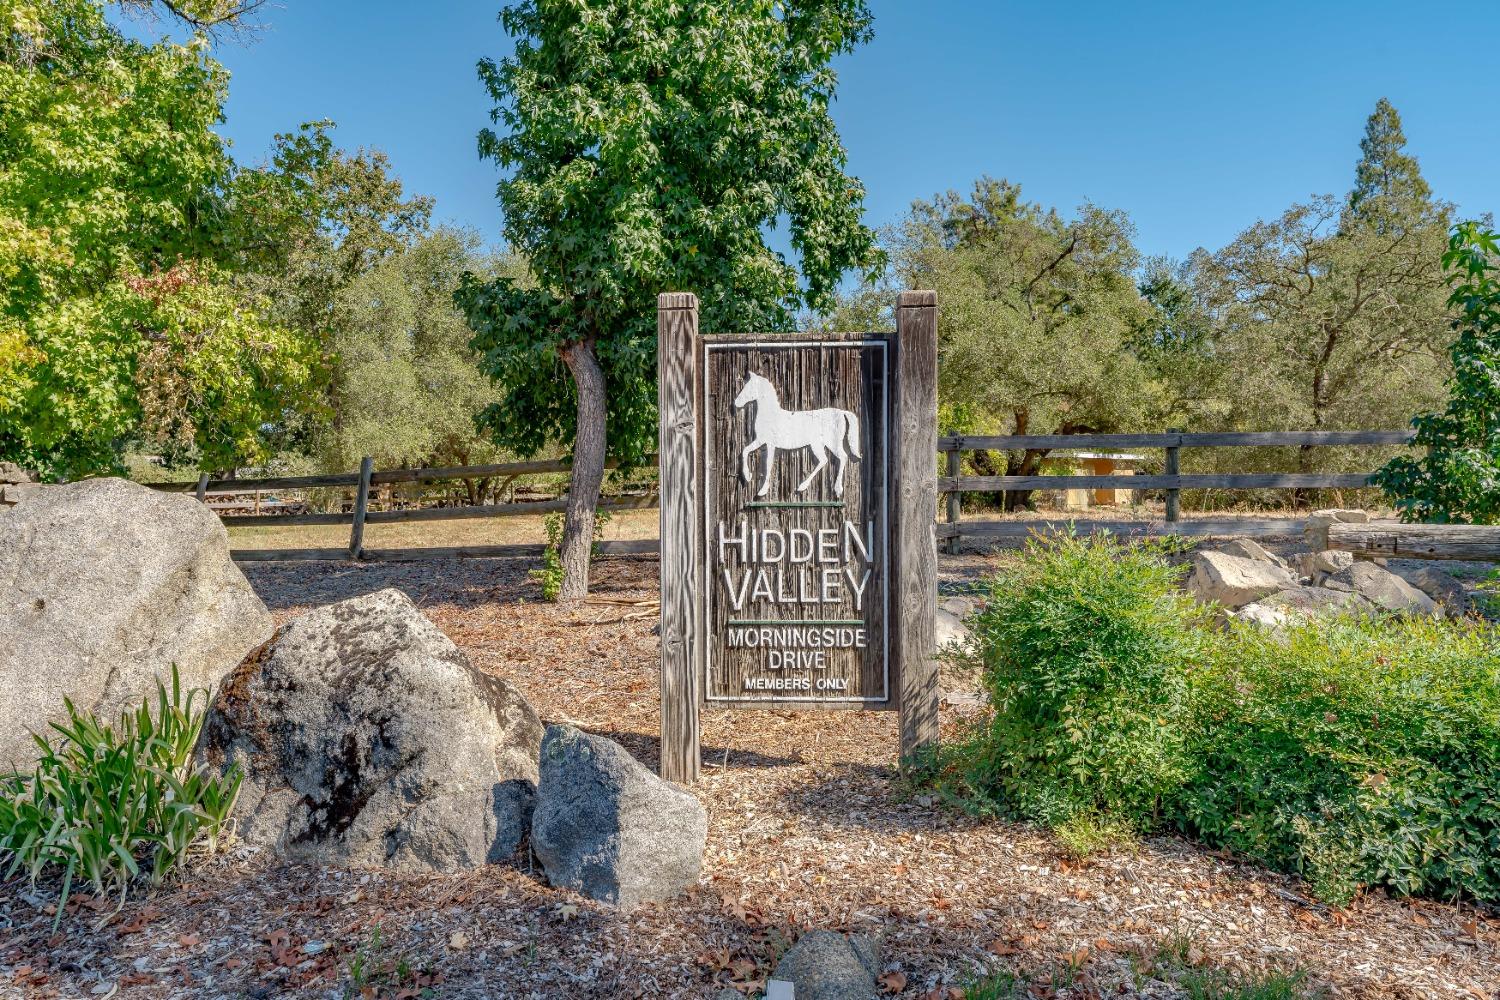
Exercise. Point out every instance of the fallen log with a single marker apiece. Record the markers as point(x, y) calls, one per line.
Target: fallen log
point(1392, 539)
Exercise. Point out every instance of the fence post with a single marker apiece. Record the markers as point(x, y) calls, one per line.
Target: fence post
point(682, 641)
point(1173, 468)
point(202, 492)
point(361, 504)
point(914, 562)
point(955, 499)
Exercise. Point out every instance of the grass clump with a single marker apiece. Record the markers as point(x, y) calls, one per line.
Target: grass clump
point(1356, 751)
point(113, 804)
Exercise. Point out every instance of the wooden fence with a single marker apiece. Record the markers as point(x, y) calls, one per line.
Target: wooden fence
point(1171, 481)
point(952, 486)
point(361, 515)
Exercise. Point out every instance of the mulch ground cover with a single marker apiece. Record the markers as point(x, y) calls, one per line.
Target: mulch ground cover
point(809, 827)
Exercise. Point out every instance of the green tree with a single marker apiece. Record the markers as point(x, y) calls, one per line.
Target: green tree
point(1458, 479)
point(1334, 315)
point(116, 312)
point(406, 384)
point(648, 145)
point(1389, 188)
point(1040, 318)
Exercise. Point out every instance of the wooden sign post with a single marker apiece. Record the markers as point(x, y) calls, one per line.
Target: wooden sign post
point(798, 496)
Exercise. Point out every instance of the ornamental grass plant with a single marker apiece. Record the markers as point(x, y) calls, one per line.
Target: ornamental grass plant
point(116, 804)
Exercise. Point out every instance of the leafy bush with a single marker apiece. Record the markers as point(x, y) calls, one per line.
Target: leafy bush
point(110, 804)
point(1355, 751)
point(1458, 479)
point(1084, 652)
point(550, 576)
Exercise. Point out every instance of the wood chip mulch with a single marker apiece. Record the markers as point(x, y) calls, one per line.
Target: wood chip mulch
point(809, 828)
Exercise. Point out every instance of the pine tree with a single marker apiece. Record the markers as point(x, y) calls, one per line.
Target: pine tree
point(1389, 189)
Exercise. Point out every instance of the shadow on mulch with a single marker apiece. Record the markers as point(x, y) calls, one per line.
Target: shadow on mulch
point(465, 584)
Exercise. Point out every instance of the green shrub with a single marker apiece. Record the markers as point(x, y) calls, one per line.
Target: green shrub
point(1084, 651)
point(1353, 751)
point(110, 804)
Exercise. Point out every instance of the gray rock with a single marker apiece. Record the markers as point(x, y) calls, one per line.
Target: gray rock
point(1329, 561)
point(104, 585)
point(10, 472)
point(1234, 581)
point(1442, 587)
point(608, 828)
point(1313, 600)
point(367, 738)
point(823, 965)
point(949, 628)
point(1315, 530)
point(960, 607)
point(1385, 589)
point(1260, 614)
point(1247, 549)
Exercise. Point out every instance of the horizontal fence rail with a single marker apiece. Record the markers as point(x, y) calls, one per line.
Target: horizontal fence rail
point(952, 486)
point(1171, 439)
point(1173, 482)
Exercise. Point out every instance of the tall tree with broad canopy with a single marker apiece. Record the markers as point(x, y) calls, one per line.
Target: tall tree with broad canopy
point(1334, 316)
point(648, 145)
point(117, 314)
point(1041, 316)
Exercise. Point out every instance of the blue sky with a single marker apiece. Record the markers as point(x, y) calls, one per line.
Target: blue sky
point(1196, 118)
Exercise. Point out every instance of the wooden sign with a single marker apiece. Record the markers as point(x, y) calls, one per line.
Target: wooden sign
point(798, 494)
point(796, 514)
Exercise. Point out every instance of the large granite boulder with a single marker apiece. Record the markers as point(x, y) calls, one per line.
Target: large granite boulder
point(104, 585)
point(823, 965)
point(606, 827)
point(1235, 581)
point(366, 738)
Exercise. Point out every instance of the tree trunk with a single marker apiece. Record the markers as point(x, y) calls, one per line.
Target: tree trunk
point(588, 469)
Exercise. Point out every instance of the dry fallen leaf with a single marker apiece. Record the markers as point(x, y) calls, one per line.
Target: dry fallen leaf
point(892, 982)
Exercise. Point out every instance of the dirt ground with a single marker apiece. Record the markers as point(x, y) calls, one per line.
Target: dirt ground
point(809, 827)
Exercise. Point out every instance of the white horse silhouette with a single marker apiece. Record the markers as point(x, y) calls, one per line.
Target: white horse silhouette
point(824, 431)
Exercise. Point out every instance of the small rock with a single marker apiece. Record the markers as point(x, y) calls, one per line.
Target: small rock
point(949, 628)
point(10, 472)
point(1312, 600)
point(1260, 614)
point(1247, 549)
point(1328, 561)
point(1385, 589)
point(823, 965)
point(1438, 585)
point(608, 828)
point(1234, 581)
point(960, 607)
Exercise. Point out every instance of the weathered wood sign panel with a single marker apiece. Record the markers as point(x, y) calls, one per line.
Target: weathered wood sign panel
point(798, 494)
point(796, 515)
